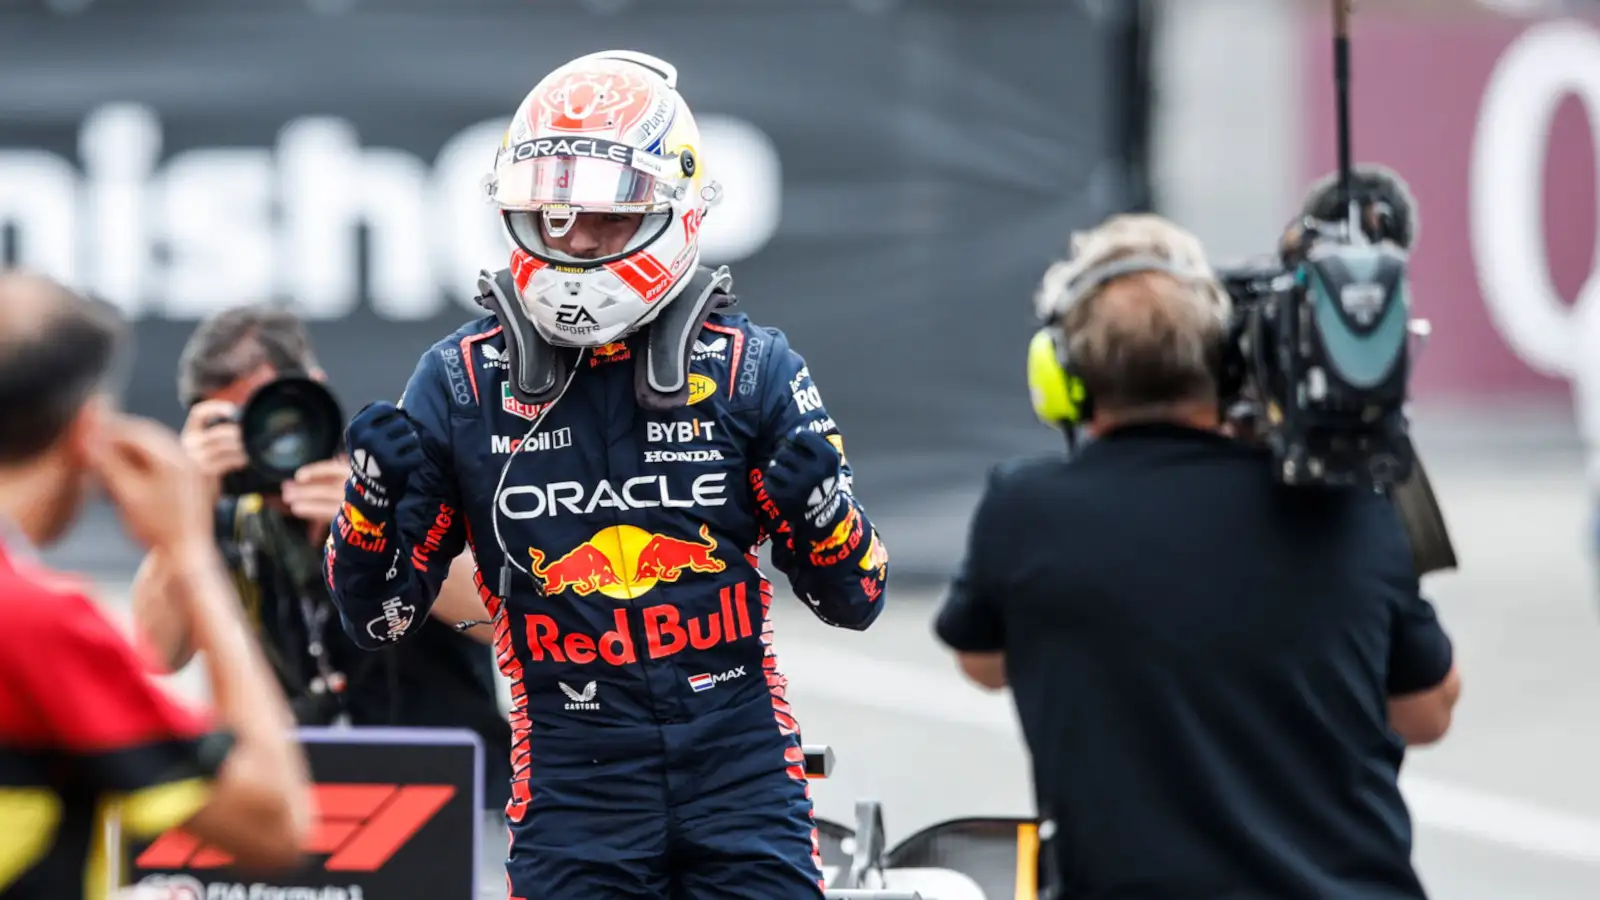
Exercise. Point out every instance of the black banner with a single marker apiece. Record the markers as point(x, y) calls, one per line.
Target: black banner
point(897, 176)
point(397, 816)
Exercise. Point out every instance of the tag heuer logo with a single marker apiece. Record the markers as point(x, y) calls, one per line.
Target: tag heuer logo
point(510, 403)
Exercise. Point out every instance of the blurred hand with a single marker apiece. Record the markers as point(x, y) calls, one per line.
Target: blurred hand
point(161, 498)
point(215, 450)
point(317, 491)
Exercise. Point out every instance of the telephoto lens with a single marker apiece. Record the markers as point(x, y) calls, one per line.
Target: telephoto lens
point(286, 424)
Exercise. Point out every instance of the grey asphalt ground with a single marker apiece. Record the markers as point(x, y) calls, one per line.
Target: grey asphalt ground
point(1507, 808)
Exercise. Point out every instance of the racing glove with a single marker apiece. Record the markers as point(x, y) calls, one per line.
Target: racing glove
point(805, 483)
point(384, 451)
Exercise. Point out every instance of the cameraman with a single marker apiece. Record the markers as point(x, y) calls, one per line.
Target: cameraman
point(1217, 676)
point(273, 545)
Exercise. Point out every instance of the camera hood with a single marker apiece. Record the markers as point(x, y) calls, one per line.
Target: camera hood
point(288, 423)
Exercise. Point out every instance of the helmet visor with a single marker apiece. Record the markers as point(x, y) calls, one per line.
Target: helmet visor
point(581, 174)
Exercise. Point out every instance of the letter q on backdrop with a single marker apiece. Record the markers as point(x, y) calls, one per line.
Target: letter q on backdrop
point(1536, 73)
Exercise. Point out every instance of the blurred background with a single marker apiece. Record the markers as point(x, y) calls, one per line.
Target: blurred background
point(898, 174)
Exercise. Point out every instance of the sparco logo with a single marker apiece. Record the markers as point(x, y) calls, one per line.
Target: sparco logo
point(750, 367)
point(208, 227)
point(531, 501)
point(457, 376)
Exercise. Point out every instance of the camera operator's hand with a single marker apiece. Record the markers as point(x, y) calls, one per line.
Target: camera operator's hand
point(317, 490)
point(160, 496)
point(384, 451)
point(216, 448)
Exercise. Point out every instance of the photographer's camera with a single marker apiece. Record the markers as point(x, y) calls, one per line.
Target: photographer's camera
point(288, 423)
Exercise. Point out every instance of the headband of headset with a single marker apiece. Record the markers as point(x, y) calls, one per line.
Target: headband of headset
point(1058, 395)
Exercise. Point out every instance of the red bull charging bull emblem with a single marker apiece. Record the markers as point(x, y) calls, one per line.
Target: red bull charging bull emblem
point(624, 562)
point(360, 531)
point(614, 352)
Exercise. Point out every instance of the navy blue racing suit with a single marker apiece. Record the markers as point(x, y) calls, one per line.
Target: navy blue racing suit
point(654, 753)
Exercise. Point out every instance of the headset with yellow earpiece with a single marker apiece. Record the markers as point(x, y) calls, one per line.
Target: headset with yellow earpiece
point(1059, 396)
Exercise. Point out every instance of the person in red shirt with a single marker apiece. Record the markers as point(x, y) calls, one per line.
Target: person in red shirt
point(85, 730)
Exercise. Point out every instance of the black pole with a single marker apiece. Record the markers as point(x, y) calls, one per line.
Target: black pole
point(1341, 83)
point(1138, 102)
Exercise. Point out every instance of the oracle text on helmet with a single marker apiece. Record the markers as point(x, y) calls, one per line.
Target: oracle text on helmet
point(533, 501)
point(211, 227)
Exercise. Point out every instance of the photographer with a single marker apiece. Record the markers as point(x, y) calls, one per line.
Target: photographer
point(1217, 674)
point(272, 537)
point(84, 727)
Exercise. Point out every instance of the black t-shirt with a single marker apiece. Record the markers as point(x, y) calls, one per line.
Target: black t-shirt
point(436, 678)
point(1201, 661)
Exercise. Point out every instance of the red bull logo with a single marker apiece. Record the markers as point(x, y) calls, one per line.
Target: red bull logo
point(361, 524)
point(840, 534)
point(877, 557)
point(614, 352)
point(666, 632)
point(360, 531)
point(836, 547)
point(623, 562)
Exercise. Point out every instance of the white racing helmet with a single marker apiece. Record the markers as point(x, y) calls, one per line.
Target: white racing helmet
point(606, 133)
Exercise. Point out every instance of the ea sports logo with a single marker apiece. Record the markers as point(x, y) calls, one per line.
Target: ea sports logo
point(365, 465)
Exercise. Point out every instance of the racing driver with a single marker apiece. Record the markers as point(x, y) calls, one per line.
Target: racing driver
point(614, 443)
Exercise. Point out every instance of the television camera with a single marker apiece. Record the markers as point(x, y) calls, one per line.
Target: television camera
point(1319, 357)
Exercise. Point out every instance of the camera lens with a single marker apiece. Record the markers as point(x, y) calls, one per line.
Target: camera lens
point(286, 439)
point(290, 423)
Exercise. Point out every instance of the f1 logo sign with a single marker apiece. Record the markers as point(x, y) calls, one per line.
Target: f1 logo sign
point(359, 828)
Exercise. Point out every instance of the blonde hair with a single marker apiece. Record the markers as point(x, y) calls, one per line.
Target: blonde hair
point(1119, 237)
point(1145, 340)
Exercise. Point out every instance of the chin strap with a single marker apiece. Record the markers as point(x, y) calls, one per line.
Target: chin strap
point(661, 371)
